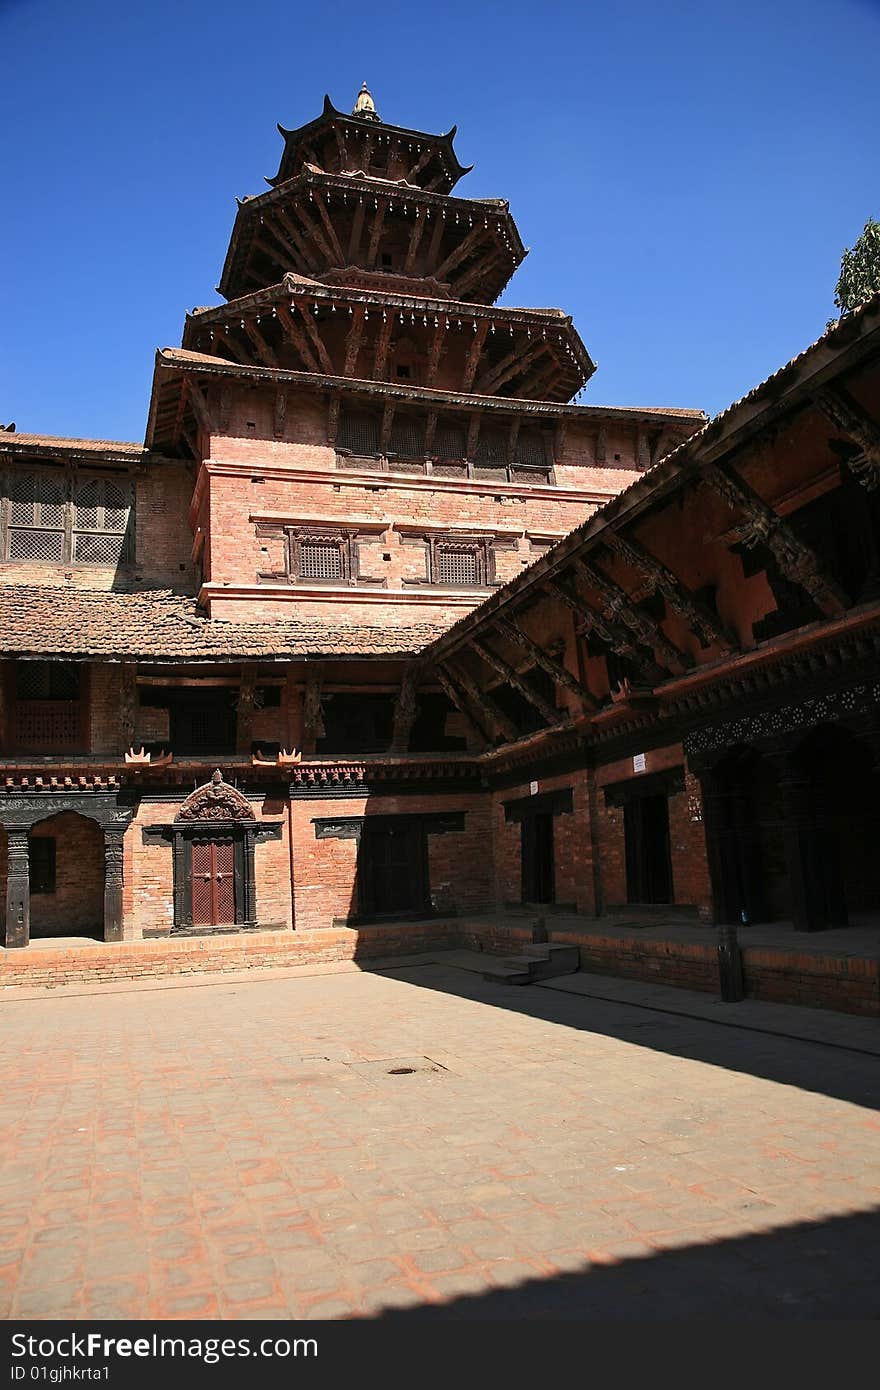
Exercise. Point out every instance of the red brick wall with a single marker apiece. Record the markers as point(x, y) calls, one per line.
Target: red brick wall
point(690, 872)
point(148, 887)
point(325, 871)
point(571, 845)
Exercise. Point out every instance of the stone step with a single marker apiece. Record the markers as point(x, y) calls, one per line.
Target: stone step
point(529, 967)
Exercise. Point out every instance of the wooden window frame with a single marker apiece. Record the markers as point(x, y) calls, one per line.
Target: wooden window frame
point(344, 541)
point(482, 548)
point(68, 530)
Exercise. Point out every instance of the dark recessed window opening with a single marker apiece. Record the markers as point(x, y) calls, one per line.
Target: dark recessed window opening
point(47, 680)
point(41, 863)
point(403, 371)
point(356, 723)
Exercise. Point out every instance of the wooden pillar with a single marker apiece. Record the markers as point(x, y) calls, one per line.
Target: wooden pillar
point(18, 888)
point(406, 708)
point(113, 880)
point(246, 705)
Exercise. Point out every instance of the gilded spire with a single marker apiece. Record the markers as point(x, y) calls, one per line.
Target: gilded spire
point(365, 106)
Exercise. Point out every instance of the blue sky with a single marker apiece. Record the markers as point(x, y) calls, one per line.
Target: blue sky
point(686, 174)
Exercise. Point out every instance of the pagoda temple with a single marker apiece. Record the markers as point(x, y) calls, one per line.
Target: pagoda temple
point(378, 633)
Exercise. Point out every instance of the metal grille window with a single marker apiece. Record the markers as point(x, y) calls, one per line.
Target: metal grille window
point(358, 433)
point(457, 566)
point(530, 449)
point(54, 517)
point(320, 560)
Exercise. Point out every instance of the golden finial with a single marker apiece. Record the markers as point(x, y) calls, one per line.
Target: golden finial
point(365, 106)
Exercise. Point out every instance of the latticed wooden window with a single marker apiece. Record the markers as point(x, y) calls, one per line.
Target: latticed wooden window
point(530, 449)
point(450, 441)
point(101, 508)
point(37, 516)
point(457, 566)
point(53, 517)
point(48, 709)
point(320, 560)
point(491, 447)
point(407, 436)
point(358, 432)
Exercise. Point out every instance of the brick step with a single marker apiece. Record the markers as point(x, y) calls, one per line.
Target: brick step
point(534, 963)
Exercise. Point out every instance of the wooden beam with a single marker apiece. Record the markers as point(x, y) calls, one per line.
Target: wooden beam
point(297, 240)
point(421, 163)
point(333, 416)
point(501, 725)
point(610, 633)
point(383, 342)
point(698, 616)
point(473, 274)
point(376, 232)
point(353, 340)
point(460, 252)
point(462, 704)
point(328, 227)
point(549, 713)
point(406, 708)
point(510, 628)
point(313, 722)
point(264, 352)
point(436, 349)
point(279, 413)
point(415, 237)
point(473, 356)
point(297, 337)
point(473, 434)
point(316, 339)
point(430, 430)
point(436, 238)
point(200, 407)
point(357, 227)
point(763, 526)
point(616, 603)
point(853, 420)
point(313, 231)
point(511, 365)
point(386, 427)
point(245, 705)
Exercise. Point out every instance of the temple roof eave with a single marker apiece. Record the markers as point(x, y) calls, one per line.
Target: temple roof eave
point(253, 208)
point(177, 363)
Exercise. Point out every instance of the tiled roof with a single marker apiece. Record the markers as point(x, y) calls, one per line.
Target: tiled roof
point(158, 625)
point(52, 441)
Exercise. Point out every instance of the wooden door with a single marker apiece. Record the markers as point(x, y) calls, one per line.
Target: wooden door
point(392, 878)
point(213, 883)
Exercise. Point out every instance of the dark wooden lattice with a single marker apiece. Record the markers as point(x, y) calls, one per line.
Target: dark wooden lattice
point(320, 560)
point(359, 433)
point(457, 566)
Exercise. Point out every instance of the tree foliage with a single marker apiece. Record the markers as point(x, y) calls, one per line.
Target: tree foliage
point(859, 270)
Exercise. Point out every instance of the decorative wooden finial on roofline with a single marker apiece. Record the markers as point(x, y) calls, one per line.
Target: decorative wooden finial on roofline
point(365, 106)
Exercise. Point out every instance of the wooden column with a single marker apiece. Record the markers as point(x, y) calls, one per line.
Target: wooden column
point(113, 881)
point(18, 888)
point(127, 705)
point(244, 731)
point(313, 723)
point(406, 708)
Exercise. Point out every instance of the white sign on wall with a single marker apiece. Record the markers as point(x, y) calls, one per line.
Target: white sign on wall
point(533, 789)
point(640, 762)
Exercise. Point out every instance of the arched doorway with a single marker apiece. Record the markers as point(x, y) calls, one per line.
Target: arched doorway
point(66, 869)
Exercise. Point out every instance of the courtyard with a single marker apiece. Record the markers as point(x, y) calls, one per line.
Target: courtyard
point(419, 1143)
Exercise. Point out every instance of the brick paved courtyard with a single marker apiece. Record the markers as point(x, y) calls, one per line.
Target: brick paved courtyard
point(422, 1143)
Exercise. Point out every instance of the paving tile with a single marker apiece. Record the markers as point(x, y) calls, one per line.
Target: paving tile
point(580, 1157)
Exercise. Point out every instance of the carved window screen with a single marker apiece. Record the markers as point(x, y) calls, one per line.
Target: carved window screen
point(450, 442)
point(55, 517)
point(407, 436)
point(457, 567)
point(320, 560)
point(358, 433)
